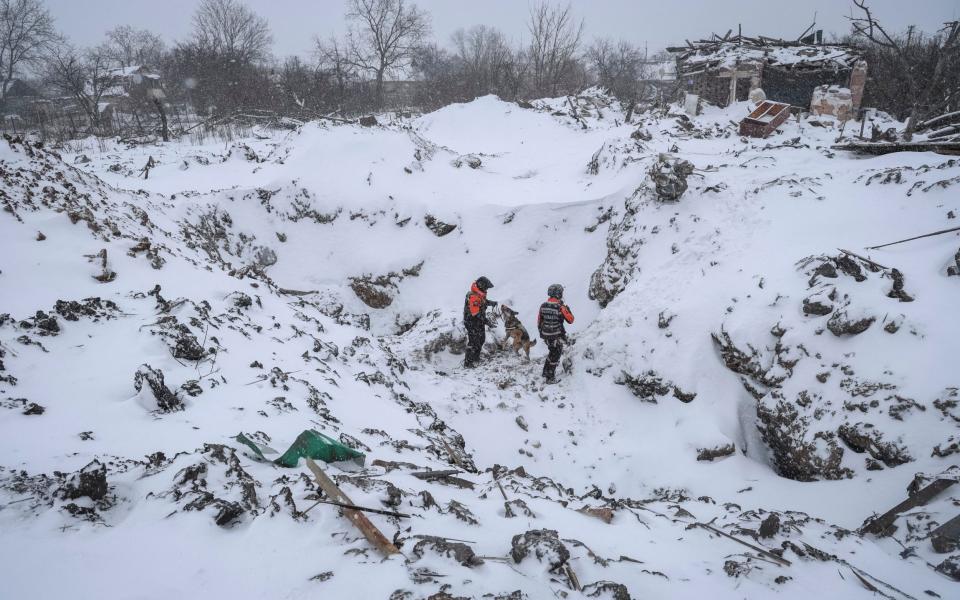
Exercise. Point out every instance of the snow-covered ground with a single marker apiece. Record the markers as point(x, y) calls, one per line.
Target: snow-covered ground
point(314, 279)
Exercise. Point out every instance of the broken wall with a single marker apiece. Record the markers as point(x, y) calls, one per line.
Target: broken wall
point(715, 89)
point(796, 87)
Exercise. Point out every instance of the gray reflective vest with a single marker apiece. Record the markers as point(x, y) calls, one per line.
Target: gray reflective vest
point(551, 320)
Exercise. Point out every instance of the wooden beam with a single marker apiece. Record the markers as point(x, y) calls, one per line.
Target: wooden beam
point(389, 513)
point(864, 259)
point(359, 520)
point(428, 475)
point(916, 237)
point(877, 148)
point(882, 525)
point(778, 559)
point(446, 477)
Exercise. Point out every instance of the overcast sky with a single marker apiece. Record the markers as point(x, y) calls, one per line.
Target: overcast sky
point(658, 23)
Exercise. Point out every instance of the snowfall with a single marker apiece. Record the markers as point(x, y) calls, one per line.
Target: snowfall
point(746, 384)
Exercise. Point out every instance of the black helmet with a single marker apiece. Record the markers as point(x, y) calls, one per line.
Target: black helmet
point(555, 291)
point(484, 284)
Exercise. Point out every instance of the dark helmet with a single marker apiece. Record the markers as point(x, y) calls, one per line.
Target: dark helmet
point(484, 284)
point(555, 291)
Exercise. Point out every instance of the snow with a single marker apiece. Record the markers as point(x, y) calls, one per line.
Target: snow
point(554, 198)
point(731, 54)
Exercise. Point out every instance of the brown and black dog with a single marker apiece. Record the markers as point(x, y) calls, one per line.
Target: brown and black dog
point(517, 335)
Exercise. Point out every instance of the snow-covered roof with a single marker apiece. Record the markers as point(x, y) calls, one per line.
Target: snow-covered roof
point(134, 70)
point(719, 53)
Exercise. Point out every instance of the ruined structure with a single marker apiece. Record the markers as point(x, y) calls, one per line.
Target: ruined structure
point(725, 69)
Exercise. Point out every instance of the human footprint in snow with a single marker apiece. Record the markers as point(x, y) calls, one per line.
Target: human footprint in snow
point(550, 321)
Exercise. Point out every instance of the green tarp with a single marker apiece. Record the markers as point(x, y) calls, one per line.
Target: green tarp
point(309, 444)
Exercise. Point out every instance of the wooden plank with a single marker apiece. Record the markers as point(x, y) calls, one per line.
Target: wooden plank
point(916, 237)
point(359, 520)
point(378, 511)
point(428, 475)
point(572, 577)
point(778, 559)
point(882, 525)
point(946, 538)
point(878, 148)
point(446, 477)
point(864, 259)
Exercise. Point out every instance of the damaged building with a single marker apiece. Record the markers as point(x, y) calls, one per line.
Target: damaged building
point(723, 70)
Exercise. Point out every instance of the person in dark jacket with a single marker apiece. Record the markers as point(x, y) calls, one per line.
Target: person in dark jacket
point(475, 319)
point(550, 320)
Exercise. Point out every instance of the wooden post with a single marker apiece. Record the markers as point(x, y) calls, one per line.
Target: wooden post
point(733, 85)
point(359, 520)
point(735, 75)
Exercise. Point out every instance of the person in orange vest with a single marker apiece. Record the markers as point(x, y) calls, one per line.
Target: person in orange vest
point(550, 321)
point(475, 319)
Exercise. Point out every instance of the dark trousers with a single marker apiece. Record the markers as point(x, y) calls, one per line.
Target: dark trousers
point(554, 349)
point(476, 336)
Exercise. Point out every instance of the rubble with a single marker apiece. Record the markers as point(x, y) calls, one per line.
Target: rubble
point(711, 454)
point(438, 227)
point(606, 589)
point(233, 492)
point(89, 482)
point(841, 324)
point(650, 386)
point(770, 526)
point(542, 544)
point(669, 175)
point(864, 438)
point(163, 399)
point(623, 247)
point(458, 551)
point(471, 160)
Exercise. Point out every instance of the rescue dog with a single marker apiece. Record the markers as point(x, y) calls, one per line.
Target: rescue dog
point(517, 335)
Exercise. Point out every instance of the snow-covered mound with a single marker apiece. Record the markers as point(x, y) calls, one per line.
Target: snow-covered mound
point(740, 365)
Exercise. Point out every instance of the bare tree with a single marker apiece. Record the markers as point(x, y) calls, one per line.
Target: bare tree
point(229, 28)
point(484, 55)
point(82, 75)
point(515, 73)
point(443, 76)
point(384, 35)
point(921, 89)
point(554, 41)
point(26, 29)
point(129, 47)
point(619, 67)
point(332, 59)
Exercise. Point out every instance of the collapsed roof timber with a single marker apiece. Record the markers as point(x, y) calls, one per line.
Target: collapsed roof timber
point(724, 69)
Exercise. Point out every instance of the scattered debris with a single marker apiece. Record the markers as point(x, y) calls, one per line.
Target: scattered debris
point(438, 227)
point(604, 513)
point(163, 399)
point(542, 544)
point(766, 553)
point(710, 454)
point(669, 175)
point(369, 531)
point(458, 551)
